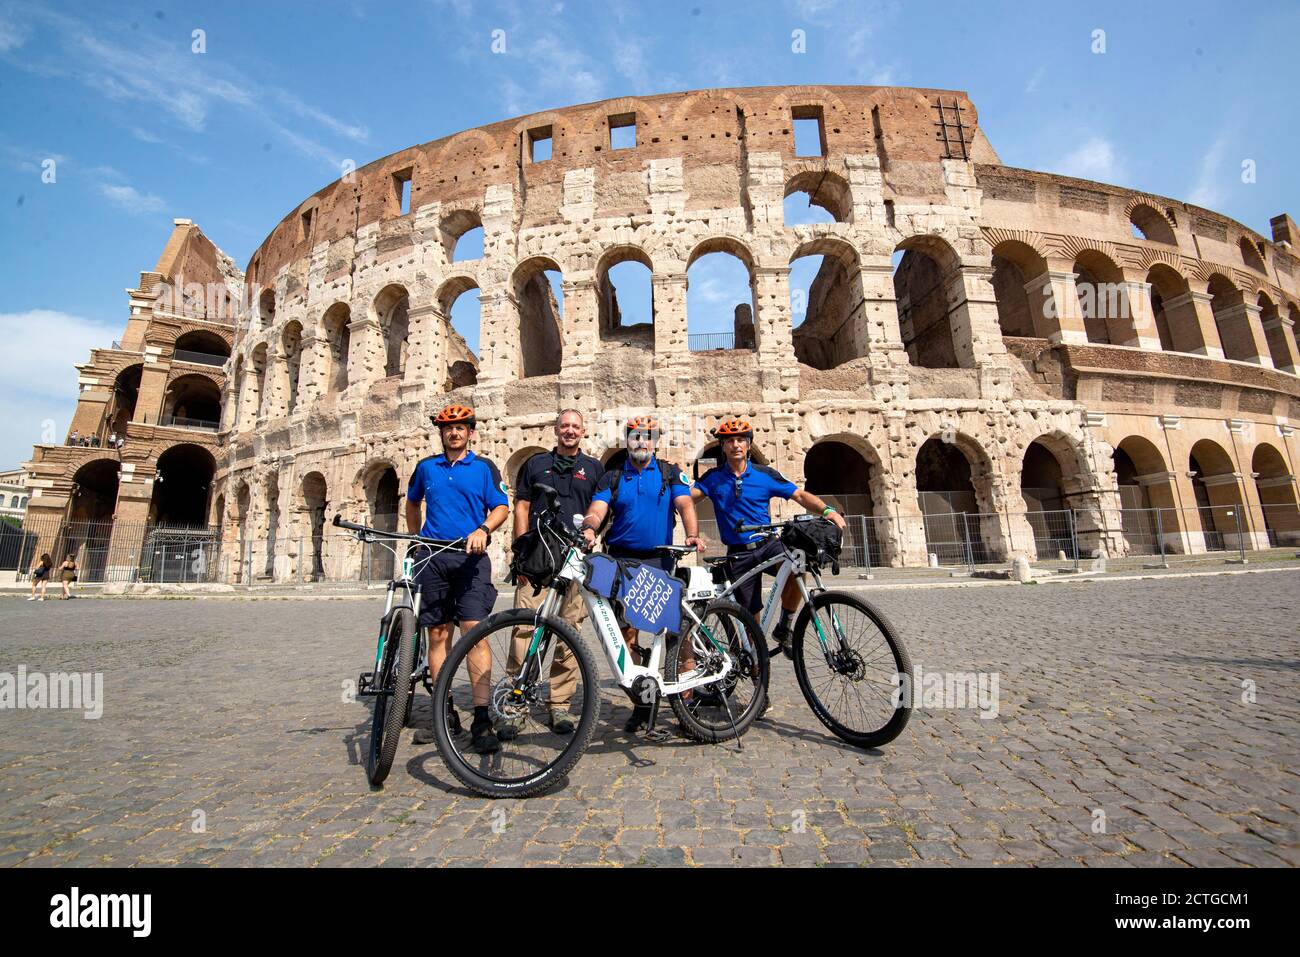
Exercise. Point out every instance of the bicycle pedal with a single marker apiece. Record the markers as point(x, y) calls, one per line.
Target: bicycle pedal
point(657, 735)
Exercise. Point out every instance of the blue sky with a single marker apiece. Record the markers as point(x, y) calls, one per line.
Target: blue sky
point(142, 129)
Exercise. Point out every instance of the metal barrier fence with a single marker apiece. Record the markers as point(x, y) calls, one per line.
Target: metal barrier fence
point(1058, 540)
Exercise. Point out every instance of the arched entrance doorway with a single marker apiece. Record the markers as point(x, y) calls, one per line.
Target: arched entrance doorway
point(846, 478)
point(1277, 497)
point(89, 528)
point(945, 491)
point(179, 543)
point(314, 503)
point(1218, 495)
point(1046, 510)
point(381, 488)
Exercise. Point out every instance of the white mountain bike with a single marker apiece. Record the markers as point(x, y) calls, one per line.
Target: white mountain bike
point(714, 674)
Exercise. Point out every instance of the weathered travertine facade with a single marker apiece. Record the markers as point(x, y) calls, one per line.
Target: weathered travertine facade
point(1028, 309)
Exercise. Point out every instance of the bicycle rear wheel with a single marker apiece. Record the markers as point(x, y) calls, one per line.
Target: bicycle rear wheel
point(724, 709)
point(480, 668)
point(391, 706)
point(846, 657)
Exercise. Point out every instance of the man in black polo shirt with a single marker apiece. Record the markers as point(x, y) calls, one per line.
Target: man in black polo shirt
point(574, 476)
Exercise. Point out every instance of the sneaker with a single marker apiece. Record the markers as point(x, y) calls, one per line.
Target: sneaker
point(510, 728)
point(482, 738)
point(42, 598)
point(32, 598)
point(561, 722)
point(782, 635)
point(640, 719)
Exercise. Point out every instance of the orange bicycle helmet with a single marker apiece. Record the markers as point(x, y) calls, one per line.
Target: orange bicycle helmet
point(643, 423)
point(734, 429)
point(455, 414)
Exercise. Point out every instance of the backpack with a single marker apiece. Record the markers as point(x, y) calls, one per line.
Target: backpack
point(537, 557)
point(666, 473)
point(817, 538)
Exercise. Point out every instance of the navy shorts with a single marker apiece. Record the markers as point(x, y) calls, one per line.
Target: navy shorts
point(455, 587)
point(739, 561)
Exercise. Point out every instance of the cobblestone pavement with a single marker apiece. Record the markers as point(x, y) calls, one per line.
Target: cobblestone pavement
point(1122, 699)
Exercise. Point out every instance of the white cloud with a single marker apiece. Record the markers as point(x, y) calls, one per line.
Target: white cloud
point(38, 376)
point(629, 61)
point(1094, 159)
point(12, 36)
point(1210, 189)
point(1037, 78)
point(132, 200)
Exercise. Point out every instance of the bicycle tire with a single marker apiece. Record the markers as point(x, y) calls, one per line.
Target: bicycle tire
point(391, 709)
point(537, 781)
point(899, 713)
point(689, 717)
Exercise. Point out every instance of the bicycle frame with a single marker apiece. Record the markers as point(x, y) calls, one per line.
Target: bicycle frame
point(605, 621)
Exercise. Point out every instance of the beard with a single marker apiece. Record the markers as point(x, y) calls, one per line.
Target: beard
point(640, 456)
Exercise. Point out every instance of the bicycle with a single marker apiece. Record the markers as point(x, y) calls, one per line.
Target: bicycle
point(402, 648)
point(714, 673)
point(850, 654)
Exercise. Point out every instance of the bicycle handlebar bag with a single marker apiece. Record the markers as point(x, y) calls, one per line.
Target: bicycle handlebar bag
point(818, 539)
point(648, 598)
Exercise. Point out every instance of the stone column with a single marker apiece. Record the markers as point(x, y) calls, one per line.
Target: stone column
point(1242, 332)
point(498, 337)
point(134, 492)
point(313, 367)
point(977, 336)
point(366, 354)
point(426, 361)
point(1191, 323)
point(1141, 327)
point(1054, 304)
point(580, 334)
point(669, 293)
point(778, 369)
point(876, 331)
point(1280, 333)
point(153, 390)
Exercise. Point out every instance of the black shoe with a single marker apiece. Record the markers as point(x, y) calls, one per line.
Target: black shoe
point(453, 719)
point(782, 635)
point(640, 719)
point(482, 738)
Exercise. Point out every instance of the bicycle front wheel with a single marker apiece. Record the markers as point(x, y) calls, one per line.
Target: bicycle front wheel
point(850, 664)
point(523, 670)
point(391, 705)
point(726, 708)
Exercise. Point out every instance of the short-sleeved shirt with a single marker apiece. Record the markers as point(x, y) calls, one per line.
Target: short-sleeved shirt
point(575, 487)
point(457, 495)
point(743, 498)
point(643, 512)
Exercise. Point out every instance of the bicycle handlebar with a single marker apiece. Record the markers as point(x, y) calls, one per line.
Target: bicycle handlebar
point(366, 530)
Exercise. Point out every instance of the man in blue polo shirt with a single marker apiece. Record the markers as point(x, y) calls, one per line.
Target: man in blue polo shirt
point(741, 491)
point(643, 495)
point(465, 499)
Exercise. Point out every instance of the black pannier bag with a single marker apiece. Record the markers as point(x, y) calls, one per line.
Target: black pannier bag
point(536, 556)
point(817, 538)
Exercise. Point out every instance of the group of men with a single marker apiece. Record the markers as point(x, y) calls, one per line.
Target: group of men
point(460, 495)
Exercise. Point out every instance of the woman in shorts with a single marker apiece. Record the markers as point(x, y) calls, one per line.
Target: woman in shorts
point(41, 576)
point(68, 575)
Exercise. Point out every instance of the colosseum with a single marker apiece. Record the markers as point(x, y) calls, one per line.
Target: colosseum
point(990, 362)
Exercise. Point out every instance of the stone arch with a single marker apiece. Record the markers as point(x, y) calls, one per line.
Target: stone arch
point(1176, 325)
point(1275, 333)
point(1227, 300)
point(743, 333)
point(832, 330)
point(540, 318)
point(378, 485)
point(259, 361)
point(192, 401)
point(1250, 255)
point(609, 312)
point(1053, 482)
point(337, 334)
point(269, 524)
point(201, 345)
point(313, 494)
point(1020, 312)
point(828, 190)
point(1217, 490)
point(1098, 283)
point(516, 462)
point(291, 349)
point(929, 290)
point(462, 365)
point(1276, 487)
point(846, 472)
point(955, 490)
point(1150, 224)
point(126, 392)
point(266, 308)
point(391, 310)
point(454, 224)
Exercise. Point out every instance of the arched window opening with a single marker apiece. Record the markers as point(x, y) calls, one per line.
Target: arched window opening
point(192, 402)
point(315, 498)
point(126, 389)
point(625, 296)
point(1250, 255)
point(538, 290)
point(202, 347)
point(826, 303)
point(1014, 316)
point(392, 307)
point(928, 294)
point(465, 312)
point(719, 303)
point(1227, 303)
point(1277, 497)
point(1098, 285)
point(1274, 333)
point(813, 197)
point(260, 362)
point(1171, 324)
point(291, 348)
point(462, 235)
point(1147, 223)
point(338, 344)
point(266, 307)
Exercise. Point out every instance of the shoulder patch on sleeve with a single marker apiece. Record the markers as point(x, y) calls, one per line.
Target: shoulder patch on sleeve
point(685, 479)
